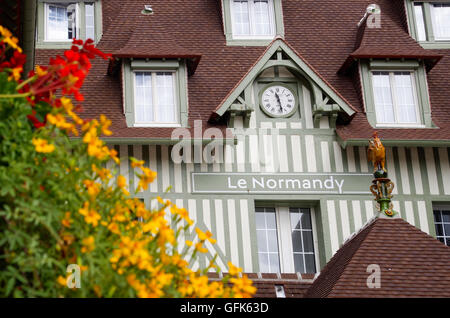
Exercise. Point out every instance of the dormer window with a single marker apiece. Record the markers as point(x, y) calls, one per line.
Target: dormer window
point(429, 23)
point(396, 94)
point(155, 93)
point(59, 22)
point(395, 98)
point(252, 22)
point(253, 19)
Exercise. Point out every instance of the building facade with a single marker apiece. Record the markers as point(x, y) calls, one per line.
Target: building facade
point(256, 115)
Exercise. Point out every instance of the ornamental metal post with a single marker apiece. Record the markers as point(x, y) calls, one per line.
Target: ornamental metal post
point(381, 186)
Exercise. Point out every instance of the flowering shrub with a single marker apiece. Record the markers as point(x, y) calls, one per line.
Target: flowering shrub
point(59, 205)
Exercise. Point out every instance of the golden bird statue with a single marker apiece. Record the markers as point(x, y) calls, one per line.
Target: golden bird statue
point(376, 153)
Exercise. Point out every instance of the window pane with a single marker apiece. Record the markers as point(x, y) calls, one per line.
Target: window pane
point(274, 263)
point(90, 25)
point(437, 216)
point(447, 230)
point(241, 21)
point(308, 243)
point(299, 263)
point(440, 16)
point(297, 244)
point(267, 240)
point(439, 230)
point(143, 97)
point(165, 112)
point(383, 97)
point(264, 263)
point(406, 106)
point(306, 219)
point(420, 25)
point(446, 216)
point(262, 18)
point(310, 263)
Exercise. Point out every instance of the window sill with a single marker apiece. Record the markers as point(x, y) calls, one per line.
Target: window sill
point(250, 42)
point(436, 45)
point(397, 126)
point(156, 125)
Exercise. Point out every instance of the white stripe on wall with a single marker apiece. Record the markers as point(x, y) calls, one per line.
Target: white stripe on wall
point(248, 267)
point(351, 159)
point(325, 156)
point(416, 170)
point(396, 205)
point(282, 153)
point(233, 231)
point(363, 159)
point(357, 217)
point(445, 169)
point(192, 206)
point(165, 167)
point(333, 226)
point(254, 153)
point(297, 161)
point(181, 238)
point(338, 157)
point(240, 154)
point(137, 153)
point(431, 171)
point(123, 149)
point(423, 219)
point(343, 207)
point(229, 151)
point(311, 153)
point(404, 170)
point(369, 209)
point(391, 168)
point(220, 226)
point(409, 212)
point(153, 167)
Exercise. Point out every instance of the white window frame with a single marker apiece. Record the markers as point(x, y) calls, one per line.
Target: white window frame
point(418, 123)
point(251, 9)
point(176, 123)
point(433, 20)
point(440, 208)
point(77, 21)
point(284, 236)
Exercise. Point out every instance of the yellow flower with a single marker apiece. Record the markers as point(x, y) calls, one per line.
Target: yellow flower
point(105, 123)
point(137, 163)
point(62, 280)
point(144, 179)
point(203, 236)
point(93, 187)
point(15, 73)
point(104, 174)
point(41, 72)
point(90, 216)
point(88, 244)
point(233, 270)
point(42, 145)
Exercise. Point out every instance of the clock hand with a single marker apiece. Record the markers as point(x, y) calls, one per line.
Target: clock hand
point(279, 101)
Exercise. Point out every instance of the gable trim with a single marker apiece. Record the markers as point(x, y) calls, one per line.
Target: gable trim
point(298, 63)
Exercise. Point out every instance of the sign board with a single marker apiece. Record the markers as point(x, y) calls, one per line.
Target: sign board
point(282, 183)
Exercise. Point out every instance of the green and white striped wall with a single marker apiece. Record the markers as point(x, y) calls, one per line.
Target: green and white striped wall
point(421, 176)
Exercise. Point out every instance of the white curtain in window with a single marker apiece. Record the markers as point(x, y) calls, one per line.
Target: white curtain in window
point(420, 24)
point(90, 25)
point(267, 239)
point(383, 97)
point(406, 106)
point(58, 23)
point(143, 97)
point(262, 17)
point(241, 20)
point(165, 95)
point(440, 16)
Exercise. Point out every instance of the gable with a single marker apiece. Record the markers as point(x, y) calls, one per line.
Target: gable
point(279, 53)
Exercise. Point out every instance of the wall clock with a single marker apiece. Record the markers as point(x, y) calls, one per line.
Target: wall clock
point(278, 100)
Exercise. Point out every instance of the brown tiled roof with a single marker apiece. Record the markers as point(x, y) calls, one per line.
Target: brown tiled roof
point(323, 34)
point(294, 286)
point(412, 264)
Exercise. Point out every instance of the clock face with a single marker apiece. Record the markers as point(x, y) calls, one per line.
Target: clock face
point(278, 101)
